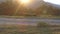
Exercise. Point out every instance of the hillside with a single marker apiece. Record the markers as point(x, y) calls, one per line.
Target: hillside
point(48, 9)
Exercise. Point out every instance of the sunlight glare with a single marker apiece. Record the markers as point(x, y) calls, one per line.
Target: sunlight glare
point(24, 1)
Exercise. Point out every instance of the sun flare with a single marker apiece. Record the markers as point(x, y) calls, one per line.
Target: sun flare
point(24, 1)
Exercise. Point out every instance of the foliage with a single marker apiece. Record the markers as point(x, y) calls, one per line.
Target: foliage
point(43, 28)
point(42, 24)
point(15, 9)
point(27, 29)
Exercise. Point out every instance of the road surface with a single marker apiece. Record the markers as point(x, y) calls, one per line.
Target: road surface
point(28, 21)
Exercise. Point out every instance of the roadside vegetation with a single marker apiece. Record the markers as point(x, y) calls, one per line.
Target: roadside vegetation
point(40, 28)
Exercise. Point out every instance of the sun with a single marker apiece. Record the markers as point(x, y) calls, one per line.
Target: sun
point(25, 1)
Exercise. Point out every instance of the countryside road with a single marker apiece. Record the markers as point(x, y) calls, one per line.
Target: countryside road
point(27, 21)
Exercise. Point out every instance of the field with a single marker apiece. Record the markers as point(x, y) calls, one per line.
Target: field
point(27, 29)
point(16, 29)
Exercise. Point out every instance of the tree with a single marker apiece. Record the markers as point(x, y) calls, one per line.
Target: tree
point(14, 8)
point(7, 8)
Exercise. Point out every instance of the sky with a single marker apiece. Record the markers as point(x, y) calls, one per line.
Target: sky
point(53, 1)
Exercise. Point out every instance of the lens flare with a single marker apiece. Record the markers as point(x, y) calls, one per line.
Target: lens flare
point(25, 1)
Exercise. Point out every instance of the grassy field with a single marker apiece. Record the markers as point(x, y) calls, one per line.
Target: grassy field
point(17, 29)
point(25, 29)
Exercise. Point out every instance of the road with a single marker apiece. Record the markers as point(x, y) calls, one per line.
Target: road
point(28, 21)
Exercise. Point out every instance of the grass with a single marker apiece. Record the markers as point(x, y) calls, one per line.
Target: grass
point(16, 29)
point(24, 29)
point(41, 16)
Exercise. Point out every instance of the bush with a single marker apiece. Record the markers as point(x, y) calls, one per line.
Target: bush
point(42, 24)
point(43, 28)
